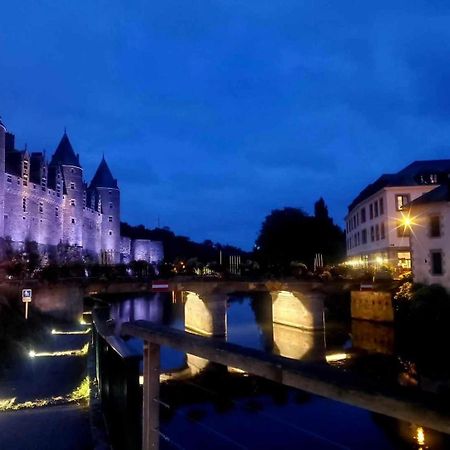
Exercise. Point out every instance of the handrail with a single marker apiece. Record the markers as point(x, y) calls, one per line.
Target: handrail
point(317, 379)
point(105, 329)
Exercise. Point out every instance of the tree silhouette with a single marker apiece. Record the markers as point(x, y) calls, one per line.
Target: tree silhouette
point(289, 234)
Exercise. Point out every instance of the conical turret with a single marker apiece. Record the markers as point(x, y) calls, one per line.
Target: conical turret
point(64, 154)
point(103, 177)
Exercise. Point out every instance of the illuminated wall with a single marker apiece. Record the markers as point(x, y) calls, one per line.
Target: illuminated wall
point(298, 310)
point(205, 316)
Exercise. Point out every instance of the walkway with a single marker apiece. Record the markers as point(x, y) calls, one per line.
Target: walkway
point(61, 427)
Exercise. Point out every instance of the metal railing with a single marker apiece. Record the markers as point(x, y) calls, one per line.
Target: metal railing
point(318, 379)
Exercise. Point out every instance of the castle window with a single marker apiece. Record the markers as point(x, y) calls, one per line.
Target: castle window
point(109, 192)
point(72, 171)
point(72, 202)
point(9, 179)
point(24, 204)
point(56, 212)
point(41, 207)
point(110, 219)
point(110, 205)
point(72, 185)
point(110, 232)
point(23, 217)
point(73, 220)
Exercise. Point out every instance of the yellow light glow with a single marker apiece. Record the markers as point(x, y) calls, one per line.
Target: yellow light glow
point(82, 321)
point(406, 221)
point(86, 331)
point(79, 395)
point(420, 436)
point(333, 357)
point(81, 352)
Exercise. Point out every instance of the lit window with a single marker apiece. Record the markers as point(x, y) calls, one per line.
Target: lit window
point(435, 226)
point(401, 200)
point(404, 260)
point(436, 262)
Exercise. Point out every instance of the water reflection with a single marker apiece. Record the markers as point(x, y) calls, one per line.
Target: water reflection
point(199, 391)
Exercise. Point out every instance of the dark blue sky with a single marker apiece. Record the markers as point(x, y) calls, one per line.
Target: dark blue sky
point(212, 113)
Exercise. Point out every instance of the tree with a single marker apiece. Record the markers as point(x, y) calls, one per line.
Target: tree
point(289, 234)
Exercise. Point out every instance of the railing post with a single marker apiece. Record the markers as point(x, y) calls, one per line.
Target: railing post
point(150, 415)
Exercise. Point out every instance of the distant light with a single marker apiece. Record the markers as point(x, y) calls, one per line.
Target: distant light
point(420, 436)
point(78, 352)
point(334, 357)
point(86, 331)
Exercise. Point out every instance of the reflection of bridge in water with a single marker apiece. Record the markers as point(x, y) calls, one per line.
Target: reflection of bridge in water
point(297, 317)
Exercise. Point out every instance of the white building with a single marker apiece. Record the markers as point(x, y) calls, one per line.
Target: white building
point(375, 223)
point(430, 243)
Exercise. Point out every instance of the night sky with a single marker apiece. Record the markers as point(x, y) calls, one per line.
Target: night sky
point(213, 113)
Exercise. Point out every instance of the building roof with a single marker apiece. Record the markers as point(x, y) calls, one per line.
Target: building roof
point(415, 174)
point(64, 154)
point(440, 194)
point(103, 176)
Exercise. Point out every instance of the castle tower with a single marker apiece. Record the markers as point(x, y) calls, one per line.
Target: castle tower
point(69, 166)
point(2, 179)
point(106, 190)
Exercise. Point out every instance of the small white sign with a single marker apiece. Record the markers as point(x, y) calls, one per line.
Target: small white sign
point(26, 295)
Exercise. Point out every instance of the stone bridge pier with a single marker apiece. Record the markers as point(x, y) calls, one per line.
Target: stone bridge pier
point(298, 324)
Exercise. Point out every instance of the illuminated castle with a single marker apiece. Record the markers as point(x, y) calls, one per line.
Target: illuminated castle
point(49, 203)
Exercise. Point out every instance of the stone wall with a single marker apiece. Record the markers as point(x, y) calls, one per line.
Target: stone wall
point(372, 305)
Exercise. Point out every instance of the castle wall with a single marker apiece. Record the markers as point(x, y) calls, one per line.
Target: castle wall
point(31, 212)
point(73, 206)
point(146, 250)
point(91, 232)
point(110, 224)
point(2, 177)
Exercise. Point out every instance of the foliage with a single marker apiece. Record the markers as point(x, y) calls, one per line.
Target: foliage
point(289, 234)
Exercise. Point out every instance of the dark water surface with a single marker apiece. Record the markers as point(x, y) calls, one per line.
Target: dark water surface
point(207, 406)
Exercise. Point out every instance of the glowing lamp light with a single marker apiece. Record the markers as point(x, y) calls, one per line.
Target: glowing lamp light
point(32, 354)
point(334, 357)
point(420, 436)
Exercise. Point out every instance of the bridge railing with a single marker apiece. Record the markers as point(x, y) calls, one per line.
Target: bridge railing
point(318, 379)
point(117, 372)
